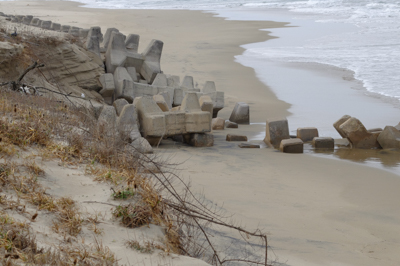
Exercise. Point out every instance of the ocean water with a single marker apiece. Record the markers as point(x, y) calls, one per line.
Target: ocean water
point(371, 50)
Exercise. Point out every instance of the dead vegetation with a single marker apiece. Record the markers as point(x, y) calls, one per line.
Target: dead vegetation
point(149, 190)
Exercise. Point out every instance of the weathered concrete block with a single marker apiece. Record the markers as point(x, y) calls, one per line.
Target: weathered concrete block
point(229, 124)
point(167, 98)
point(179, 94)
point(142, 145)
point(173, 81)
point(276, 131)
point(119, 105)
point(175, 123)
point(188, 83)
point(160, 80)
point(389, 138)
point(217, 97)
point(127, 123)
point(55, 26)
point(201, 140)
point(231, 137)
point(241, 114)
point(19, 18)
point(358, 135)
point(107, 37)
point(132, 72)
point(74, 31)
point(218, 123)
point(108, 118)
point(116, 52)
point(107, 83)
point(338, 123)
point(291, 146)
point(159, 99)
point(64, 28)
point(151, 65)
point(151, 118)
point(206, 104)
point(27, 20)
point(249, 146)
point(132, 43)
point(36, 22)
point(45, 24)
point(307, 133)
point(92, 44)
point(323, 143)
point(196, 120)
point(377, 129)
point(123, 85)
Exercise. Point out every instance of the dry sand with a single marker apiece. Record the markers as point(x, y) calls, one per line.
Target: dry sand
point(317, 211)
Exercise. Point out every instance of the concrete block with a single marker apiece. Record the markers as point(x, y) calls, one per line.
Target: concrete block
point(229, 124)
point(338, 123)
point(160, 80)
point(175, 123)
point(188, 83)
point(167, 98)
point(107, 83)
point(358, 135)
point(307, 133)
point(249, 146)
point(397, 127)
point(108, 117)
point(64, 28)
point(159, 99)
point(74, 31)
point(55, 26)
point(241, 114)
point(134, 60)
point(206, 104)
point(151, 118)
point(140, 89)
point(36, 22)
point(107, 37)
point(132, 43)
point(389, 138)
point(377, 129)
point(197, 122)
point(127, 123)
point(173, 81)
point(27, 20)
point(123, 85)
point(291, 146)
point(201, 140)
point(323, 143)
point(119, 104)
point(46, 24)
point(19, 18)
point(141, 145)
point(276, 131)
point(179, 94)
point(116, 52)
point(217, 97)
point(132, 72)
point(151, 65)
point(92, 44)
point(231, 137)
point(218, 123)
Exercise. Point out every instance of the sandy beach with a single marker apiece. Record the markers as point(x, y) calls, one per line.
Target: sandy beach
point(316, 211)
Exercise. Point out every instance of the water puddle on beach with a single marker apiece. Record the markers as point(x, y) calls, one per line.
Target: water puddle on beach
point(388, 159)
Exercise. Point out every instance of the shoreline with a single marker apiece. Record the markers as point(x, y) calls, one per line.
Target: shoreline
point(317, 211)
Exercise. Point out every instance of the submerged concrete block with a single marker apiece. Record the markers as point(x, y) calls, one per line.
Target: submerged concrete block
point(389, 138)
point(151, 65)
point(231, 137)
point(123, 85)
point(307, 133)
point(323, 143)
point(276, 131)
point(338, 123)
point(291, 146)
point(132, 43)
point(241, 113)
point(358, 135)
